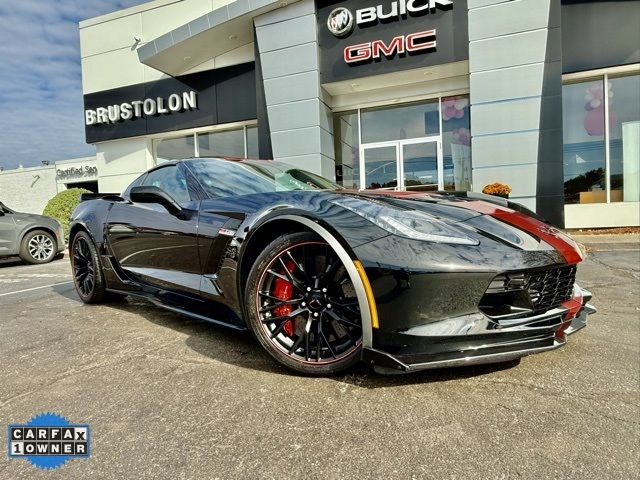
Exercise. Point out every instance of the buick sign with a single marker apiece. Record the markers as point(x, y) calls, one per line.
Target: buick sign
point(340, 22)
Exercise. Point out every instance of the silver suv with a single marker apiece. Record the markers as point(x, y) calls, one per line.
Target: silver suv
point(35, 238)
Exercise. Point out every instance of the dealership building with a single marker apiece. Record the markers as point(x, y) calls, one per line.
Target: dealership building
point(541, 95)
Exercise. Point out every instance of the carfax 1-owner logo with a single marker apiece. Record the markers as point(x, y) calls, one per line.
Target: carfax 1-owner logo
point(48, 441)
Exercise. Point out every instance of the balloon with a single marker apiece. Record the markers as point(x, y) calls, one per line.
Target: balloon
point(461, 103)
point(594, 121)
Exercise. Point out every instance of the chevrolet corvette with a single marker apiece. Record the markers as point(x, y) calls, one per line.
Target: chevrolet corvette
point(325, 277)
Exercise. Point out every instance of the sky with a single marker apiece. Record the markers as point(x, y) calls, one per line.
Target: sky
point(41, 106)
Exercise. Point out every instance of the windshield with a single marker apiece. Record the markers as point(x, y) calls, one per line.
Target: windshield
point(224, 178)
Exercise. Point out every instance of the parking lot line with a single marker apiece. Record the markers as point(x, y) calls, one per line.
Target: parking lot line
point(35, 288)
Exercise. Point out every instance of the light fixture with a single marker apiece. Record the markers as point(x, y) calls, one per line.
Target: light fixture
point(233, 37)
point(187, 58)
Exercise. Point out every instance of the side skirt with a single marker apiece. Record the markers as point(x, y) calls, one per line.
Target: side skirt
point(182, 311)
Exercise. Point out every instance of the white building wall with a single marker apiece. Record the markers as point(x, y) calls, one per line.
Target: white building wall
point(28, 189)
point(108, 47)
point(121, 161)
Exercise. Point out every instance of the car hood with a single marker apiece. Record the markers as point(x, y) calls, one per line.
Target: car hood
point(492, 217)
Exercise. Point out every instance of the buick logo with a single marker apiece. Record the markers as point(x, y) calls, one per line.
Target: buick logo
point(340, 22)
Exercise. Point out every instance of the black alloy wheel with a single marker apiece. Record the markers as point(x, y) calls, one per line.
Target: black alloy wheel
point(87, 271)
point(303, 306)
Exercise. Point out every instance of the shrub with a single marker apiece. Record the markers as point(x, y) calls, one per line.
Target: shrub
point(62, 205)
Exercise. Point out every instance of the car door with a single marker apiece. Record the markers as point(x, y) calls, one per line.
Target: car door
point(153, 246)
point(8, 233)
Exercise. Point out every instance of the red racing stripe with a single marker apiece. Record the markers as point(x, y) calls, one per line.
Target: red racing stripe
point(554, 237)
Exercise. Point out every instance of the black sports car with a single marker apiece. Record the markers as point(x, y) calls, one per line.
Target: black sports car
point(326, 277)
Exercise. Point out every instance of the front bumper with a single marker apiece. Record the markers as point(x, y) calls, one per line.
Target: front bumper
point(474, 340)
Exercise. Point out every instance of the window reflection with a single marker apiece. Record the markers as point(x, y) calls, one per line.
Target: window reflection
point(380, 167)
point(252, 142)
point(174, 148)
point(228, 143)
point(456, 143)
point(624, 138)
point(347, 148)
point(421, 165)
point(584, 147)
point(400, 122)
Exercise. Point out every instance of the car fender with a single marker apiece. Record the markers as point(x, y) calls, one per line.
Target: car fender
point(91, 216)
point(24, 226)
point(338, 244)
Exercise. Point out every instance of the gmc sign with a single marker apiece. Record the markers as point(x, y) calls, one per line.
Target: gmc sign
point(415, 42)
point(368, 37)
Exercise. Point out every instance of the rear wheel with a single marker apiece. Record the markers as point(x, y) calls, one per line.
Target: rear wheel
point(302, 306)
point(38, 247)
point(87, 270)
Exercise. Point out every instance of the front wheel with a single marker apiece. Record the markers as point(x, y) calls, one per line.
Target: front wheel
point(302, 306)
point(87, 270)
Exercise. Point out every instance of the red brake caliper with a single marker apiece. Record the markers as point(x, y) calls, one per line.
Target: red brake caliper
point(283, 289)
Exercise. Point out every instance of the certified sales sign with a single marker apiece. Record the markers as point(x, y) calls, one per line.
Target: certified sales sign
point(362, 37)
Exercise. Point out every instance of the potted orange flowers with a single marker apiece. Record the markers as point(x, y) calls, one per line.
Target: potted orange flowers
point(498, 189)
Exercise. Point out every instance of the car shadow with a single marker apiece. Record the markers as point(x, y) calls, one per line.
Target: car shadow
point(6, 262)
point(11, 262)
point(240, 349)
point(67, 290)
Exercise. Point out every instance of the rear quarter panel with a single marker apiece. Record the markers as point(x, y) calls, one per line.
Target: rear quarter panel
point(92, 216)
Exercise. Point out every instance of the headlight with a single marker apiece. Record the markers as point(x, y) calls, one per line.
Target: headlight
point(405, 223)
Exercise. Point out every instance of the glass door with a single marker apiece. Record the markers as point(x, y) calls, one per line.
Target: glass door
point(402, 165)
point(380, 166)
point(421, 164)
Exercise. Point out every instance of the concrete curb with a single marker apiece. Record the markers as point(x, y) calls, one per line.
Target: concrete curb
point(609, 242)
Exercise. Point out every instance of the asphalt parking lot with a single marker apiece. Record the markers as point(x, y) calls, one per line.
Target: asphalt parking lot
point(169, 397)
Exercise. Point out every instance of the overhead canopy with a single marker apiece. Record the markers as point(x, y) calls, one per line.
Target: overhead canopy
point(220, 38)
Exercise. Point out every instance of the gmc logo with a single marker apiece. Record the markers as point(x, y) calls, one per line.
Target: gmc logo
point(400, 45)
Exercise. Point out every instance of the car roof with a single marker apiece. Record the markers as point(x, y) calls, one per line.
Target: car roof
point(192, 159)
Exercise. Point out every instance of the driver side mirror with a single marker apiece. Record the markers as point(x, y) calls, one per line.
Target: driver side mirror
point(151, 194)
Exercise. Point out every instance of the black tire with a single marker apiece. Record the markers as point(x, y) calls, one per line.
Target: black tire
point(38, 247)
point(320, 331)
point(88, 277)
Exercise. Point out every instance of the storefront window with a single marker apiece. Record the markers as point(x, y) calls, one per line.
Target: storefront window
point(229, 143)
point(588, 142)
point(584, 147)
point(252, 142)
point(226, 143)
point(624, 138)
point(400, 122)
point(174, 148)
point(347, 146)
point(456, 143)
point(403, 146)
